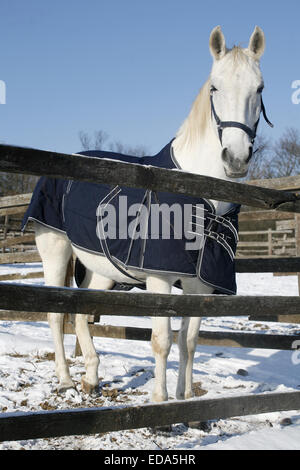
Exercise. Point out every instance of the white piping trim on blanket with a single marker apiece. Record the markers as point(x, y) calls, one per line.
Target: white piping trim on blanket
point(42, 223)
point(174, 159)
point(103, 239)
point(70, 182)
point(203, 280)
point(144, 239)
point(134, 268)
point(135, 228)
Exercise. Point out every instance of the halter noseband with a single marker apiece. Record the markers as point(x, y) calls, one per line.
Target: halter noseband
point(221, 125)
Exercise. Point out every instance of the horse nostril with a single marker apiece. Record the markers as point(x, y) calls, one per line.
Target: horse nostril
point(250, 154)
point(225, 155)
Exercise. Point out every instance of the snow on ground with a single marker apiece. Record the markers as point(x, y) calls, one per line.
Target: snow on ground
point(28, 382)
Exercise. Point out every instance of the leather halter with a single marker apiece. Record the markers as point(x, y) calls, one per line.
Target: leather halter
point(221, 125)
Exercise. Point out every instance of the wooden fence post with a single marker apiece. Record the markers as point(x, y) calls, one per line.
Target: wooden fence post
point(297, 237)
point(293, 318)
point(270, 247)
point(5, 229)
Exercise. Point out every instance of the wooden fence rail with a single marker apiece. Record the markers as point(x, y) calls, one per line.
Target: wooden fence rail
point(242, 265)
point(11, 242)
point(15, 200)
point(205, 338)
point(98, 170)
point(26, 257)
point(100, 302)
point(19, 426)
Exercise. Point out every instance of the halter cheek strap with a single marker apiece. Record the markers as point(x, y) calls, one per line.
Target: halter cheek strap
point(221, 125)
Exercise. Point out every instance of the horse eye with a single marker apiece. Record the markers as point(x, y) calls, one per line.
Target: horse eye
point(260, 89)
point(213, 88)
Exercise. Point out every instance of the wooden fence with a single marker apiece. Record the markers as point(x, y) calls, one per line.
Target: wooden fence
point(267, 243)
point(23, 298)
point(278, 234)
point(15, 246)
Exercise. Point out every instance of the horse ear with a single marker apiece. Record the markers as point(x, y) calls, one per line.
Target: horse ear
point(217, 43)
point(257, 43)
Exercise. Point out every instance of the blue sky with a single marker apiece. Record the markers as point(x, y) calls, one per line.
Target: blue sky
point(129, 67)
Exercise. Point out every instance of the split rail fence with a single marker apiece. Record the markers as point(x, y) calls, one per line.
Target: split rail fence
point(270, 233)
point(15, 247)
point(26, 299)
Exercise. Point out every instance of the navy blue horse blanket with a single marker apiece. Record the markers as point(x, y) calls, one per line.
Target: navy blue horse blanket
point(80, 210)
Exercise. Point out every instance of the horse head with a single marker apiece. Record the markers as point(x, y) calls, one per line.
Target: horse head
point(236, 86)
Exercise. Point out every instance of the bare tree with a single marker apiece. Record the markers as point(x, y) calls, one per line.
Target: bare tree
point(100, 139)
point(279, 159)
point(85, 140)
point(100, 142)
point(286, 159)
point(12, 183)
point(87, 143)
point(259, 166)
point(119, 147)
point(97, 143)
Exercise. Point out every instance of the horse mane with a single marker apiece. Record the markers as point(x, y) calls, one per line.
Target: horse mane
point(196, 123)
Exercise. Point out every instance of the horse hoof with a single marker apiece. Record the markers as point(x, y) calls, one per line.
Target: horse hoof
point(88, 388)
point(162, 430)
point(63, 388)
point(201, 425)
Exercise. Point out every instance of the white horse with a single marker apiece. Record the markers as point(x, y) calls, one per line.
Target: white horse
point(216, 139)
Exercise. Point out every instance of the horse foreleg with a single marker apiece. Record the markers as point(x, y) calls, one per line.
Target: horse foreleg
point(187, 342)
point(89, 382)
point(161, 340)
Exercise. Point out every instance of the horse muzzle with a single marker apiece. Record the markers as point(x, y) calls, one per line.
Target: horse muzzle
point(235, 167)
point(232, 174)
